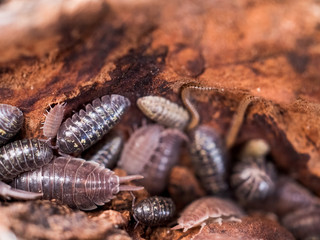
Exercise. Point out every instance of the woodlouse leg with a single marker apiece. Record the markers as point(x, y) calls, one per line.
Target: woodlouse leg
point(202, 226)
point(8, 192)
point(132, 206)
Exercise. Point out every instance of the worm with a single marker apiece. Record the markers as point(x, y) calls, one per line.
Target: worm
point(11, 120)
point(106, 151)
point(209, 159)
point(75, 182)
point(304, 223)
point(154, 211)
point(18, 157)
point(85, 128)
point(164, 111)
point(196, 213)
point(53, 120)
point(152, 151)
point(253, 179)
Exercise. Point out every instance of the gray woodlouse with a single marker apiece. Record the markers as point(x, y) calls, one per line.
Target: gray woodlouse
point(53, 120)
point(152, 151)
point(163, 111)
point(85, 128)
point(253, 179)
point(11, 120)
point(209, 159)
point(304, 223)
point(154, 211)
point(75, 182)
point(204, 208)
point(106, 152)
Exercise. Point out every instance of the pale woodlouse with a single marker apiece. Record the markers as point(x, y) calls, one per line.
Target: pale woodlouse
point(11, 120)
point(106, 152)
point(154, 211)
point(53, 120)
point(209, 159)
point(196, 213)
point(75, 182)
point(164, 111)
point(85, 128)
point(152, 151)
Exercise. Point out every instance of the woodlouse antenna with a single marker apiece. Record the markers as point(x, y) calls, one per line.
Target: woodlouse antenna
point(238, 119)
point(130, 178)
point(186, 90)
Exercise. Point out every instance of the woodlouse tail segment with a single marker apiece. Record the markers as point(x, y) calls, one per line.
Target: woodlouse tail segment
point(238, 119)
point(130, 178)
point(129, 187)
point(8, 192)
point(175, 132)
point(179, 227)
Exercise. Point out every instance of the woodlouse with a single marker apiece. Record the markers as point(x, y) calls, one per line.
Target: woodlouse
point(154, 211)
point(209, 159)
point(11, 120)
point(75, 182)
point(196, 213)
point(152, 151)
point(163, 111)
point(253, 179)
point(304, 223)
point(53, 120)
point(85, 128)
point(106, 152)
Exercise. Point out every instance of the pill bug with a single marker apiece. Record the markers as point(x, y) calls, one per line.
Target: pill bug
point(106, 152)
point(196, 213)
point(253, 178)
point(154, 211)
point(152, 151)
point(209, 159)
point(75, 182)
point(85, 128)
point(163, 111)
point(53, 120)
point(11, 120)
point(304, 223)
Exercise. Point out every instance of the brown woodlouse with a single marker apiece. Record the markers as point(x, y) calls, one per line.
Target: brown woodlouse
point(304, 223)
point(204, 208)
point(11, 120)
point(75, 182)
point(53, 120)
point(152, 151)
point(154, 211)
point(163, 111)
point(106, 152)
point(85, 128)
point(253, 178)
point(209, 159)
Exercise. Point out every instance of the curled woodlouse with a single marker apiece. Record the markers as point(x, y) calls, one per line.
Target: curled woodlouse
point(304, 223)
point(106, 152)
point(11, 120)
point(209, 159)
point(163, 111)
point(204, 208)
point(154, 211)
point(253, 179)
point(75, 182)
point(152, 151)
point(85, 128)
point(53, 120)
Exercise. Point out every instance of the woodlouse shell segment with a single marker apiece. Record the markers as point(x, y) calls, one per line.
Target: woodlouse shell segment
point(253, 179)
point(209, 159)
point(207, 207)
point(85, 128)
point(154, 211)
point(22, 156)
point(164, 111)
point(53, 120)
point(11, 120)
point(75, 182)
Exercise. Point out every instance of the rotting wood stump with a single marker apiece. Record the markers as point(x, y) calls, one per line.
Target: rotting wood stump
point(269, 49)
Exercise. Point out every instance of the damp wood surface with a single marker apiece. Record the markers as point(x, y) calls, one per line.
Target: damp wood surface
point(268, 49)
